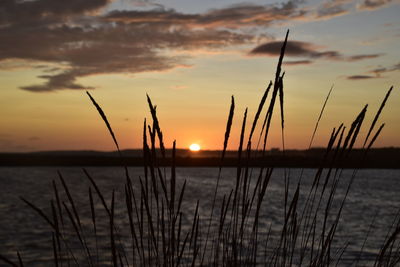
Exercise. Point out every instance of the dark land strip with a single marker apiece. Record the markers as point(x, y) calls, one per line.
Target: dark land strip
point(388, 158)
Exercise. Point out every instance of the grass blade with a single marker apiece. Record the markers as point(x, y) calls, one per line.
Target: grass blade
point(378, 114)
point(104, 117)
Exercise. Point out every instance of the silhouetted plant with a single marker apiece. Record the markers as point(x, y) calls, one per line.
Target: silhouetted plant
point(229, 234)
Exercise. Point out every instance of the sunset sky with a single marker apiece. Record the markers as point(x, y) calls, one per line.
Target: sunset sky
point(190, 56)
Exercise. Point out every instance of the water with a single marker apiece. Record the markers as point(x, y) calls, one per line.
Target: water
point(374, 194)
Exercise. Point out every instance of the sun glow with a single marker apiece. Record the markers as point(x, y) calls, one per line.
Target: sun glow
point(194, 147)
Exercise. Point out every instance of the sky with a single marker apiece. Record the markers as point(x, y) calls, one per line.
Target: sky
point(190, 57)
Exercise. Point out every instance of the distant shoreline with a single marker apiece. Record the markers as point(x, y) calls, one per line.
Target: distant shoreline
point(381, 158)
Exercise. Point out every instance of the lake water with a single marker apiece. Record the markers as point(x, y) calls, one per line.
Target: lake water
point(375, 193)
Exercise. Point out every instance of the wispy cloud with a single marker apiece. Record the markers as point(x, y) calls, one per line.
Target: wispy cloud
point(297, 62)
point(65, 80)
point(378, 73)
point(381, 70)
point(360, 77)
point(333, 8)
point(374, 4)
point(306, 50)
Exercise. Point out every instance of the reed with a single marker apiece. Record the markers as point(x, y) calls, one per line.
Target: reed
point(162, 233)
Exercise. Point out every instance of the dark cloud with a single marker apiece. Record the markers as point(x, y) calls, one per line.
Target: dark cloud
point(158, 16)
point(57, 82)
point(78, 42)
point(360, 77)
point(85, 51)
point(34, 138)
point(381, 70)
point(69, 40)
point(307, 50)
point(13, 11)
point(297, 62)
point(378, 73)
point(293, 48)
point(232, 17)
point(361, 57)
point(374, 4)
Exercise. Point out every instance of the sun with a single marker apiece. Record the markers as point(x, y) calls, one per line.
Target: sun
point(194, 147)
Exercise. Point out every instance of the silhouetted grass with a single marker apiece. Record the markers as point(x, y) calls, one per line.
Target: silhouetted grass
point(155, 217)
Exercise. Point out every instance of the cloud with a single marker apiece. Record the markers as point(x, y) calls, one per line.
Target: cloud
point(13, 11)
point(245, 15)
point(333, 8)
point(378, 72)
point(57, 82)
point(85, 51)
point(306, 50)
point(381, 70)
point(297, 62)
point(361, 57)
point(360, 77)
point(145, 3)
point(74, 39)
point(293, 48)
point(77, 42)
point(374, 4)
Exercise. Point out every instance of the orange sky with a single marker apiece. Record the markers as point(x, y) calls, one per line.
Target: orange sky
point(190, 59)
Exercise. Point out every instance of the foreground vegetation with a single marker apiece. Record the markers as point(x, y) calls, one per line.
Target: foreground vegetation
point(230, 233)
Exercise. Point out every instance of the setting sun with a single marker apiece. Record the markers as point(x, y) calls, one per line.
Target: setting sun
point(194, 147)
